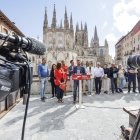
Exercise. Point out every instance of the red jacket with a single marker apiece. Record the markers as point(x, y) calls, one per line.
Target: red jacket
point(65, 69)
point(59, 75)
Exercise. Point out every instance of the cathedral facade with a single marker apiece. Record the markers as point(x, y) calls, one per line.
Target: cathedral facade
point(65, 44)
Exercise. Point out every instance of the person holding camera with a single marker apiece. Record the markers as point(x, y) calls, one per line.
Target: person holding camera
point(132, 79)
point(138, 78)
point(43, 73)
point(113, 78)
point(121, 76)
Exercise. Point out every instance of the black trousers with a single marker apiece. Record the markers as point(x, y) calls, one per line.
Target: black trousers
point(59, 92)
point(53, 88)
point(131, 80)
point(98, 84)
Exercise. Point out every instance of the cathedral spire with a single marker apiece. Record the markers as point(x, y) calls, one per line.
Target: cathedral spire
point(85, 28)
point(61, 24)
point(77, 27)
point(81, 26)
point(106, 43)
point(66, 22)
point(95, 35)
point(71, 23)
point(45, 19)
point(54, 18)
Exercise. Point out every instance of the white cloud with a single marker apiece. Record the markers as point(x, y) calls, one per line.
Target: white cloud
point(111, 37)
point(126, 15)
point(103, 6)
point(105, 24)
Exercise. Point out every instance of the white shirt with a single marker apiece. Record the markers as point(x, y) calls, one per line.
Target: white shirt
point(98, 72)
point(90, 72)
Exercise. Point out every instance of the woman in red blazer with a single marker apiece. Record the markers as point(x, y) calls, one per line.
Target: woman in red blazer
point(59, 80)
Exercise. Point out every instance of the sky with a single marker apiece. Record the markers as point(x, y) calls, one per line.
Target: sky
point(113, 18)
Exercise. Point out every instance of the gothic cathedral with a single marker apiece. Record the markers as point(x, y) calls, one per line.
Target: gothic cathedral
point(63, 44)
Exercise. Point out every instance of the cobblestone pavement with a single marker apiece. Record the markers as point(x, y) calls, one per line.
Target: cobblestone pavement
point(100, 120)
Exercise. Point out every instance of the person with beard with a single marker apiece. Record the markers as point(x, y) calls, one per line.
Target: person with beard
point(113, 78)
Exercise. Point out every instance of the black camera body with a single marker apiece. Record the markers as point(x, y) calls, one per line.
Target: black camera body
point(134, 61)
point(9, 79)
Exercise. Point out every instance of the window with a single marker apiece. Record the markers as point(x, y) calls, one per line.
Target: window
point(101, 52)
point(5, 31)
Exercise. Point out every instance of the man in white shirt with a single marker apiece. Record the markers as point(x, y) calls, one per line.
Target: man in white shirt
point(98, 75)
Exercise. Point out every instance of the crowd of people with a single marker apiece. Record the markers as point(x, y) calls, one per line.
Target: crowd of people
point(102, 78)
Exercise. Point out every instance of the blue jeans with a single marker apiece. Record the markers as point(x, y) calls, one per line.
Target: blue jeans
point(122, 82)
point(43, 84)
point(114, 84)
point(76, 85)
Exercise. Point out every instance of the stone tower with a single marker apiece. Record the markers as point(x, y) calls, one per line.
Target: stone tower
point(95, 43)
point(59, 39)
point(81, 36)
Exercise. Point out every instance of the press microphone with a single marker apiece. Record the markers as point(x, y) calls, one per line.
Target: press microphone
point(30, 45)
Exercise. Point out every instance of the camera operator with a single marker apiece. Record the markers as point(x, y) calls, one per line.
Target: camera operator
point(132, 79)
point(138, 78)
point(43, 73)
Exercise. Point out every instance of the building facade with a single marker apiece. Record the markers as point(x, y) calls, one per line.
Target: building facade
point(128, 45)
point(8, 27)
point(65, 44)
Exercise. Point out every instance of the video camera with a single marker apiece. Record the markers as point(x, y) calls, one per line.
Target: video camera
point(134, 61)
point(134, 134)
point(15, 68)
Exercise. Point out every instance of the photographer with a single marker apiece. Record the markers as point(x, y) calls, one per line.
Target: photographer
point(138, 78)
point(132, 79)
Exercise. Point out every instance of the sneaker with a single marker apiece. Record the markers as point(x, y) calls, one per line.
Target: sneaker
point(62, 101)
point(42, 99)
point(120, 90)
point(135, 92)
point(59, 101)
point(45, 97)
point(52, 96)
point(74, 102)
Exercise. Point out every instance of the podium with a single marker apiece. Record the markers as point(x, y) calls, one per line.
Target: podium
point(80, 77)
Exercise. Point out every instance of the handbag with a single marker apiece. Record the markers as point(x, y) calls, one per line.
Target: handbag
point(63, 86)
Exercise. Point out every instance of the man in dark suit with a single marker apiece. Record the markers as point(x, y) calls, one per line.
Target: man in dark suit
point(77, 70)
point(71, 67)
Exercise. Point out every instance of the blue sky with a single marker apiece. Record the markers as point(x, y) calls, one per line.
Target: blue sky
point(113, 18)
